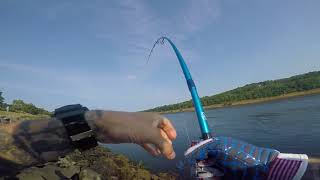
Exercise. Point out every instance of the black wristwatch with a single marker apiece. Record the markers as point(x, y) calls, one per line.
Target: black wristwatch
point(78, 130)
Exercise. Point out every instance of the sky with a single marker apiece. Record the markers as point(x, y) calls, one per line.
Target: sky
point(54, 53)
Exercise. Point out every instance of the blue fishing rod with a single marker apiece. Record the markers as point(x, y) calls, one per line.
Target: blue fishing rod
point(203, 123)
point(203, 158)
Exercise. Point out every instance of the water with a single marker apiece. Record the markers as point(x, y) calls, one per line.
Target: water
point(290, 125)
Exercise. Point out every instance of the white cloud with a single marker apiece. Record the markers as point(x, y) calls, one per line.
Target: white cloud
point(21, 67)
point(129, 26)
point(68, 82)
point(131, 77)
point(200, 14)
point(140, 26)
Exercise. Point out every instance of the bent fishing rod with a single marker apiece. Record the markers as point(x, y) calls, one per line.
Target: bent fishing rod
point(203, 123)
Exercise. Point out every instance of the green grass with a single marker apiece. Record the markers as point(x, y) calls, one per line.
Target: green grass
point(22, 116)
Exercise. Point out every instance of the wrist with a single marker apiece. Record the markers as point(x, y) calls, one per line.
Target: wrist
point(94, 118)
point(106, 127)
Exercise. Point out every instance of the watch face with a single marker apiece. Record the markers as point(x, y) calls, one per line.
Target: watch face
point(80, 133)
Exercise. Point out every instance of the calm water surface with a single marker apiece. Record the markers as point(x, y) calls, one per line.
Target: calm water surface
point(291, 125)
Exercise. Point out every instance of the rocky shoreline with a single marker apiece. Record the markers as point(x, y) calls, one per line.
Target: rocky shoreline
point(98, 164)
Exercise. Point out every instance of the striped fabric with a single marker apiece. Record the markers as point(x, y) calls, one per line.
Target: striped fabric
point(288, 167)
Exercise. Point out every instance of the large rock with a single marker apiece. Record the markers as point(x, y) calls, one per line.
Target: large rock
point(49, 171)
point(5, 120)
point(89, 174)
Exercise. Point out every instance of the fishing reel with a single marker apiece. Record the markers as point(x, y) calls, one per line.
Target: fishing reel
point(204, 167)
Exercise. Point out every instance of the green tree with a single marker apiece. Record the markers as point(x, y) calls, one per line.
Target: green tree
point(2, 104)
point(264, 89)
point(20, 106)
point(1, 99)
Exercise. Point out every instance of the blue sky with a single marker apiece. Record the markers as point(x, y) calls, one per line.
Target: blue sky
point(54, 53)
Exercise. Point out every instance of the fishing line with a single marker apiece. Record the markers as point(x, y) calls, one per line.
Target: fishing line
point(187, 132)
point(158, 41)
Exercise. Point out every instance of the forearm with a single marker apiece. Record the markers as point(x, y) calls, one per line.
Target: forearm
point(30, 142)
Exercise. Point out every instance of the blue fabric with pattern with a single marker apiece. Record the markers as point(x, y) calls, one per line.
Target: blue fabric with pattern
point(235, 158)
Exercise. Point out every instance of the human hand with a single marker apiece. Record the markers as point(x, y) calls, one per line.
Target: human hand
point(152, 131)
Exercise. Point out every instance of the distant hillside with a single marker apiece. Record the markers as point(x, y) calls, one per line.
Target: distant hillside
point(295, 85)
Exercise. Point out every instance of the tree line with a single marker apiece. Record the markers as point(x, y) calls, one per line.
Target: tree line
point(21, 106)
point(263, 89)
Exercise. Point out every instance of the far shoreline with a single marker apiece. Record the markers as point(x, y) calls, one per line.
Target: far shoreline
point(247, 102)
